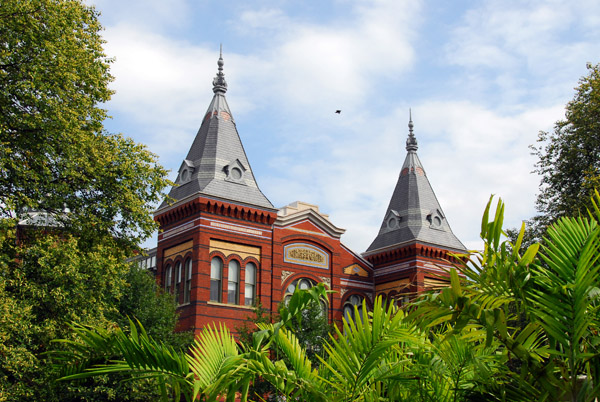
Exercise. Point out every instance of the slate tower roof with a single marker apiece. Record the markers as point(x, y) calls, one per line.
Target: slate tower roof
point(414, 213)
point(216, 164)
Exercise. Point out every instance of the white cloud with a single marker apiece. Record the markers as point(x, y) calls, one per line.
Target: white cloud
point(306, 70)
point(507, 69)
point(468, 152)
point(144, 14)
point(157, 82)
point(511, 45)
point(316, 65)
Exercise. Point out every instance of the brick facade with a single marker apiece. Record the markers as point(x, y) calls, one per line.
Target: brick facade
point(218, 232)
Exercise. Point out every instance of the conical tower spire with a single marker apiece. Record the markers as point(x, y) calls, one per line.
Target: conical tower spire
point(216, 164)
point(414, 213)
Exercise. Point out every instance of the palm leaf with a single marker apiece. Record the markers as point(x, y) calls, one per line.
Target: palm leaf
point(359, 357)
point(138, 354)
point(218, 367)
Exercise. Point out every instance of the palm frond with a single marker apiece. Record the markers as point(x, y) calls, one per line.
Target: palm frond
point(133, 354)
point(216, 363)
point(357, 358)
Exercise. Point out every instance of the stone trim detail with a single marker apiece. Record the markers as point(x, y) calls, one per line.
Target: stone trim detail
point(285, 275)
point(326, 281)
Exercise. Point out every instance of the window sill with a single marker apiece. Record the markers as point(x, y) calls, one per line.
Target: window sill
point(214, 303)
point(183, 304)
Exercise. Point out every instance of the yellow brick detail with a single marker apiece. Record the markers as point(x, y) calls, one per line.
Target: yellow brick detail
point(229, 248)
point(356, 269)
point(395, 285)
point(178, 250)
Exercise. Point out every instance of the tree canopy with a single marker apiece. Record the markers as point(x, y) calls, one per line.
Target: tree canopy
point(54, 154)
point(569, 156)
point(96, 191)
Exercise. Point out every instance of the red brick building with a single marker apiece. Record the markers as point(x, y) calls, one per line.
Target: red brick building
point(223, 246)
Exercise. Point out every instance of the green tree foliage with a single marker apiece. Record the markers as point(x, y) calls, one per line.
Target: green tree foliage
point(154, 309)
point(54, 152)
point(380, 356)
point(311, 327)
point(512, 326)
point(214, 367)
point(54, 281)
point(95, 190)
point(569, 156)
point(542, 311)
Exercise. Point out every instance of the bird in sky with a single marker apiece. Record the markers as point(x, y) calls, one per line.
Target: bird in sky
point(338, 111)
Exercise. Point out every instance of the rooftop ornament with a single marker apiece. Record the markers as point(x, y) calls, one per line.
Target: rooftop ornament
point(411, 142)
point(219, 83)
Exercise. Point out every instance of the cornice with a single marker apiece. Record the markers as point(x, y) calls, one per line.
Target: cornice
point(410, 249)
point(192, 205)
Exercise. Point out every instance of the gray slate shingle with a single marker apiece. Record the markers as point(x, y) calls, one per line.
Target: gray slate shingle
point(413, 212)
point(216, 148)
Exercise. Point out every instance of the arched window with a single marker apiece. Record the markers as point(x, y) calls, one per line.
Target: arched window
point(303, 284)
point(384, 299)
point(233, 280)
point(216, 270)
point(354, 300)
point(403, 299)
point(168, 278)
point(250, 288)
point(187, 290)
point(177, 281)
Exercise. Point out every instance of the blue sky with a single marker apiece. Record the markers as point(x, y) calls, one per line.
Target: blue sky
point(482, 79)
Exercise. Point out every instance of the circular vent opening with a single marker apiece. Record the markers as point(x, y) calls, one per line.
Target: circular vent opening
point(236, 173)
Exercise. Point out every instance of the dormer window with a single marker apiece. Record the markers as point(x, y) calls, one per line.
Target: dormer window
point(186, 170)
point(435, 219)
point(234, 171)
point(392, 220)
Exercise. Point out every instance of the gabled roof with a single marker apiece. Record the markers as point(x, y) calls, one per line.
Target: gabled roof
point(216, 164)
point(299, 211)
point(414, 213)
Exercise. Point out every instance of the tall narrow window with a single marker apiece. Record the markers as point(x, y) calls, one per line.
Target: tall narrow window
point(168, 278)
point(233, 282)
point(250, 289)
point(177, 281)
point(188, 281)
point(354, 300)
point(216, 268)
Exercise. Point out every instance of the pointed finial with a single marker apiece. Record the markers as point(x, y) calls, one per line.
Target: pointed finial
point(219, 83)
point(411, 141)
